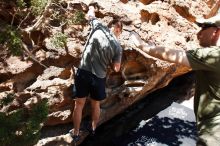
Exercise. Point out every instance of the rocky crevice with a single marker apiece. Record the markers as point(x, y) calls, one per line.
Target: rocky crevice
point(166, 23)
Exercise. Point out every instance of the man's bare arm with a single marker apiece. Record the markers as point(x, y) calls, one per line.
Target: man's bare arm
point(168, 54)
point(91, 13)
point(116, 67)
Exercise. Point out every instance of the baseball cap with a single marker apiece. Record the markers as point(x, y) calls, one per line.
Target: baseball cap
point(213, 21)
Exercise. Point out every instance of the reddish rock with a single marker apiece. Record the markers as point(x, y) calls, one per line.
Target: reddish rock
point(50, 75)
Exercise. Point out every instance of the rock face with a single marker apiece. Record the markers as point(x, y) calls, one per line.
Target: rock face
point(167, 23)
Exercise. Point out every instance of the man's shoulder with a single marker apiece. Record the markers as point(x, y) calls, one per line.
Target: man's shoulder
point(207, 58)
point(96, 23)
point(205, 50)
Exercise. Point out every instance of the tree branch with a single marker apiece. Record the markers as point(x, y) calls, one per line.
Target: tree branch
point(40, 20)
point(24, 19)
point(31, 55)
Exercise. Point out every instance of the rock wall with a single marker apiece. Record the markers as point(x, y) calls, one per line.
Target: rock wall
point(167, 23)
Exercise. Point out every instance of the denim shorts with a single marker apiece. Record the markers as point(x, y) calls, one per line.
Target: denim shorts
point(88, 84)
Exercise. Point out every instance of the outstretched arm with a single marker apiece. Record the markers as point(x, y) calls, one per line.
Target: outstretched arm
point(171, 55)
point(91, 13)
point(168, 54)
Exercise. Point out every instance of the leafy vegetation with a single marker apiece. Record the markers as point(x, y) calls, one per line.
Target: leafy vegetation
point(21, 3)
point(22, 127)
point(78, 17)
point(8, 99)
point(11, 38)
point(59, 40)
point(38, 6)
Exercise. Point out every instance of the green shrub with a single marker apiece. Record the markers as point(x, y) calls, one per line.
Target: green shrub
point(22, 127)
point(6, 100)
point(11, 38)
point(59, 40)
point(38, 6)
point(21, 3)
point(78, 17)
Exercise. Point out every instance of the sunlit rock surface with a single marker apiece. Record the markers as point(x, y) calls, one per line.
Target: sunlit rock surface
point(166, 23)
